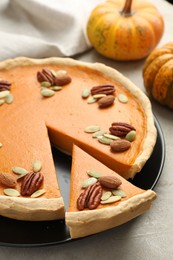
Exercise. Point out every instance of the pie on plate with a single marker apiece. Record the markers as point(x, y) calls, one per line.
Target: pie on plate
point(65, 102)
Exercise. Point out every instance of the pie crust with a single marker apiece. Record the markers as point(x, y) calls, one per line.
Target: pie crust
point(28, 103)
point(84, 223)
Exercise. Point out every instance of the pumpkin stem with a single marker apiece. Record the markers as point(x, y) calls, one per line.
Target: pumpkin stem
point(126, 11)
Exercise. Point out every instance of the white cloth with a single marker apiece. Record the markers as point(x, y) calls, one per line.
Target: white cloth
point(41, 28)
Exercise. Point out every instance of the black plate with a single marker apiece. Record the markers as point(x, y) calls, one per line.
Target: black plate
point(30, 234)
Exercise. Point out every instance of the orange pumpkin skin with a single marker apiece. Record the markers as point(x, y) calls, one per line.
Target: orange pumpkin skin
point(128, 33)
point(158, 74)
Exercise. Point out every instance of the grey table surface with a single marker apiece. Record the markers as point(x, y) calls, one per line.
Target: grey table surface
point(149, 236)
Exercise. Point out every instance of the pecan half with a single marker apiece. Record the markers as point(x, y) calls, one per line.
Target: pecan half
point(60, 79)
point(31, 182)
point(7, 180)
point(110, 181)
point(120, 145)
point(103, 89)
point(45, 75)
point(4, 85)
point(106, 101)
point(120, 129)
point(90, 197)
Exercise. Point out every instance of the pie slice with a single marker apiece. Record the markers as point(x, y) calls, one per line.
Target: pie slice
point(50, 105)
point(134, 201)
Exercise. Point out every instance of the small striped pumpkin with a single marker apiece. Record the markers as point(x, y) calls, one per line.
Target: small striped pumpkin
point(158, 74)
point(125, 30)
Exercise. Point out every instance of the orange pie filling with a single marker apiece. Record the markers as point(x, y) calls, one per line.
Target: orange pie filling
point(33, 120)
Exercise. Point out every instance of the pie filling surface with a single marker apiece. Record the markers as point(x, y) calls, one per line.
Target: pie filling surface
point(31, 122)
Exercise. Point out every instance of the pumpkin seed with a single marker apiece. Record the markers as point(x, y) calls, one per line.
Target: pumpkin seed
point(19, 170)
point(122, 98)
point(113, 137)
point(98, 133)
point(56, 88)
point(38, 193)
point(45, 92)
point(89, 182)
point(45, 84)
point(119, 192)
point(36, 166)
point(11, 192)
point(4, 93)
point(111, 199)
point(97, 96)
point(131, 136)
point(106, 195)
point(92, 128)
point(104, 140)
point(85, 93)
point(9, 98)
point(0, 145)
point(91, 100)
point(2, 101)
point(61, 73)
point(22, 175)
point(94, 173)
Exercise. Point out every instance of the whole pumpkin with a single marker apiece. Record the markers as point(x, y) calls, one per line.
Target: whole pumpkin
point(158, 74)
point(125, 30)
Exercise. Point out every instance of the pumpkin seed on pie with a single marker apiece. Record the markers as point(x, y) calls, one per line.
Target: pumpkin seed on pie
point(122, 98)
point(104, 140)
point(22, 175)
point(106, 195)
point(38, 193)
point(98, 133)
point(56, 88)
point(11, 192)
point(94, 173)
point(47, 92)
point(91, 100)
point(45, 84)
point(19, 170)
point(119, 192)
point(36, 166)
point(112, 137)
point(85, 93)
point(92, 128)
point(131, 136)
point(4, 93)
point(9, 98)
point(111, 199)
point(88, 182)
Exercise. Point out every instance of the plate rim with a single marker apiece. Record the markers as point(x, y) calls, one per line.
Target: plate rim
point(163, 145)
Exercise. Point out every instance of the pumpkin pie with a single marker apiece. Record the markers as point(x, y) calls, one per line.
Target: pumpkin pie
point(62, 102)
point(130, 201)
